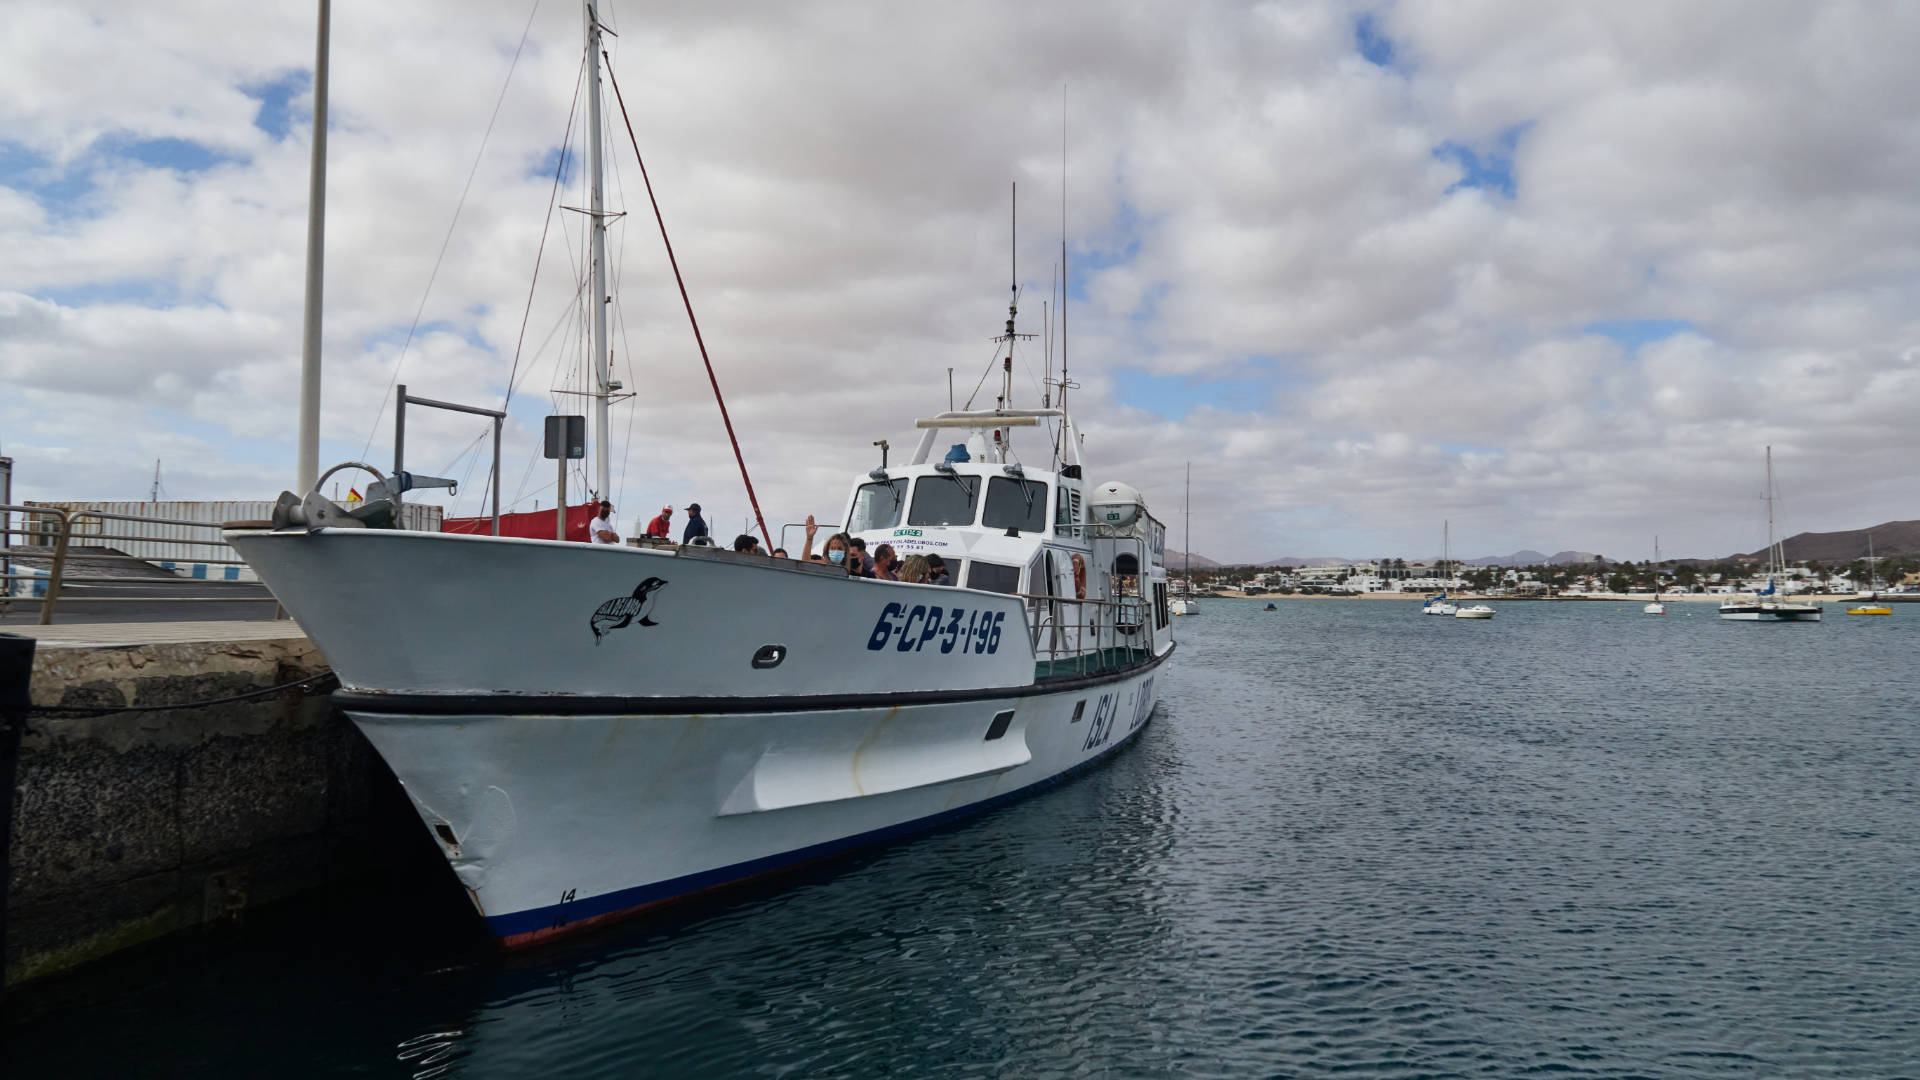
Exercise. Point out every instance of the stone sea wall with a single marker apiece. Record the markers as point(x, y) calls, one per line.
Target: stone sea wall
point(131, 826)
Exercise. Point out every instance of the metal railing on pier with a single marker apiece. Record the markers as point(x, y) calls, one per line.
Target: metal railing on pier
point(78, 548)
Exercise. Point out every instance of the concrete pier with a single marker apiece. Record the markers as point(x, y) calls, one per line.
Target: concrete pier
point(130, 826)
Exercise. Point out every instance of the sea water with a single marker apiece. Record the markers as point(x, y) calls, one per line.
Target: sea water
point(1355, 840)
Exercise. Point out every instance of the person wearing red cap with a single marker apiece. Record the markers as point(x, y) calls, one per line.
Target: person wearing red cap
point(662, 526)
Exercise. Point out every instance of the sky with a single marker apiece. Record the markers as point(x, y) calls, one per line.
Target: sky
point(1553, 274)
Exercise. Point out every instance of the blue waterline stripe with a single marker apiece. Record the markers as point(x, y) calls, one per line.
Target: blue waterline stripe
point(559, 915)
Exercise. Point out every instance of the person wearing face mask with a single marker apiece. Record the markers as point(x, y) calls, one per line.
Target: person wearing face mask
point(842, 553)
point(885, 562)
point(859, 563)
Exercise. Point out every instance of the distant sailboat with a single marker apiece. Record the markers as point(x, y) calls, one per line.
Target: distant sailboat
point(1438, 605)
point(1763, 606)
point(1872, 587)
point(1185, 604)
point(1656, 608)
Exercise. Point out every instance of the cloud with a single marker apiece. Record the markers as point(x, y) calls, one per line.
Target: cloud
point(1555, 273)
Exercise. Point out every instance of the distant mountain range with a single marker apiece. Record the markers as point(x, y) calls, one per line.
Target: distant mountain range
point(1178, 559)
point(1889, 538)
point(1518, 558)
point(1528, 557)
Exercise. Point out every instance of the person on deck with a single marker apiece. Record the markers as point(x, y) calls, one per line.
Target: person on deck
point(937, 571)
point(747, 542)
point(601, 531)
point(885, 562)
point(696, 525)
point(661, 527)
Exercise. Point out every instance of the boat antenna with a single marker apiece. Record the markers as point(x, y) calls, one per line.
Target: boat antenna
point(1061, 436)
point(1013, 305)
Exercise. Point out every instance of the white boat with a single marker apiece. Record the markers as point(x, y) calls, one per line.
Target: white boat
point(1655, 608)
point(1440, 605)
point(1184, 603)
point(1477, 611)
point(587, 731)
point(1765, 606)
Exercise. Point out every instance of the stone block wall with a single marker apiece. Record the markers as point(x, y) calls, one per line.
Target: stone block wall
point(131, 826)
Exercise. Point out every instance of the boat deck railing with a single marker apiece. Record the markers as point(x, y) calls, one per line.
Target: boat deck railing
point(49, 548)
point(1085, 637)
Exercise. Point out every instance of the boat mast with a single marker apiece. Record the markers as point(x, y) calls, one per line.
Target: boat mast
point(596, 213)
point(1774, 555)
point(1187, 544)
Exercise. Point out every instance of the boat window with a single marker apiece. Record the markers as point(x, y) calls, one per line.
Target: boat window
point(1016, 504)
point(877, 506)
point(1067, 510)
point(993, 577)
point(944, 500)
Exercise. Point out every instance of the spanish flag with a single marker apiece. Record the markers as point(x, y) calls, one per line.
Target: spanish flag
point(353, 495)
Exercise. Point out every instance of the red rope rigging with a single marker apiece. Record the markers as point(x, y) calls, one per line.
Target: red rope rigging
point(724, 418)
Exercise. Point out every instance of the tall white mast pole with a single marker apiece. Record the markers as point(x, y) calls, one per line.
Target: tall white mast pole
point(307, 459)
point(596, 212)
point(1771, 549)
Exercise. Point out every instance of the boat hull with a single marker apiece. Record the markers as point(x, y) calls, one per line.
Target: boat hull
point(1769, 613)
point(554, 824)
point(539, 617)
point(588, 731)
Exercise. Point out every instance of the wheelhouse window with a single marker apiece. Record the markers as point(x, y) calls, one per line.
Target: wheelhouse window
point(877, 506)
point(1067, 511)
point(1016, 504)
point(944, 500)
point(993, 577)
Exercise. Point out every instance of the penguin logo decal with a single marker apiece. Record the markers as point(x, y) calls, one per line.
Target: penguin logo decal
point(622, 610)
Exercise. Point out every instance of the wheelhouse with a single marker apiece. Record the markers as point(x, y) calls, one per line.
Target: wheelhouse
point(1002, 527)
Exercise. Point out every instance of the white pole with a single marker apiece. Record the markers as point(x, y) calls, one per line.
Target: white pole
point(307, 464)
point(595, 211)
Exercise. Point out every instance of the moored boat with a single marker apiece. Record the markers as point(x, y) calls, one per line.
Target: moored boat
point(1764, 605)
point(1477, 611)
point(590, 730)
